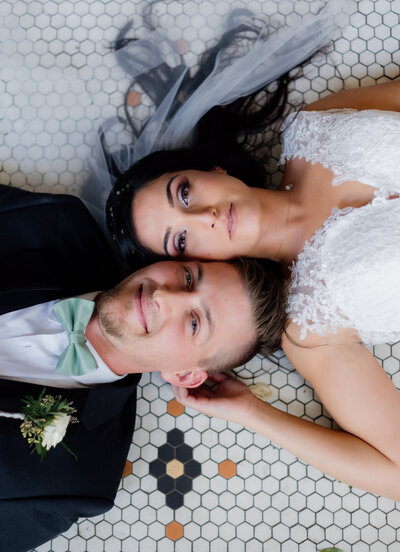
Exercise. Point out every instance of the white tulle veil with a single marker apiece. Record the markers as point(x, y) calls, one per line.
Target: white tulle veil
point(57, 116)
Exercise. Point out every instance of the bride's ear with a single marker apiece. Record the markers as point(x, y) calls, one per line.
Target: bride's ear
point(193, 378)
point(219, 170)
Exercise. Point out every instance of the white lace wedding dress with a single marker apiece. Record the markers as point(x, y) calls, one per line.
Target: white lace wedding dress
point(348, 273)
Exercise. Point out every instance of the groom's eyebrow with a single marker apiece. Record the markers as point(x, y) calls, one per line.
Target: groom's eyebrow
point(166, 239)
point(200, 273)
point(210, 326)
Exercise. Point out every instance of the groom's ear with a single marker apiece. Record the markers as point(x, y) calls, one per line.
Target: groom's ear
point(193, 378)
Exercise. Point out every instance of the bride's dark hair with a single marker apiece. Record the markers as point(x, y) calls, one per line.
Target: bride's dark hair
point(227, 136)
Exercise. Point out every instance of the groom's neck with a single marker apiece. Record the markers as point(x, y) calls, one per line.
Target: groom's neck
point(115, 359)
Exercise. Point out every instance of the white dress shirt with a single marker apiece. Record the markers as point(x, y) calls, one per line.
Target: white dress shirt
point(31, 342)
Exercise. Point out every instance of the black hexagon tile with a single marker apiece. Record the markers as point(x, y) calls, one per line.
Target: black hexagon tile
point(175, 469)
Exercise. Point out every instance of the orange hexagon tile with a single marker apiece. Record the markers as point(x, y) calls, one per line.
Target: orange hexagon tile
point(227, 469)
point(182, 46)
point(133, 99)
point(174, 531)
point(175, 469)
point(127, 469)
point(174, 408)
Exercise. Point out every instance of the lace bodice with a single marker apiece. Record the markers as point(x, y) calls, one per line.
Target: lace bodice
point(348, 273)
point(354, 145)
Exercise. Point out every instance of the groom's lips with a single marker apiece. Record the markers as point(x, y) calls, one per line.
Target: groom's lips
point(140, 303)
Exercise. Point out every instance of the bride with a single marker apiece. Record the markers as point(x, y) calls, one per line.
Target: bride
point(333, 228)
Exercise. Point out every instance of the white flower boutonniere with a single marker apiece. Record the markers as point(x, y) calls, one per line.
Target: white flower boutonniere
point(45, 422)
point(54, 433)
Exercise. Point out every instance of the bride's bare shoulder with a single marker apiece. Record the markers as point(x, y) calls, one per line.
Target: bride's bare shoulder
point(292, 335)
point(385, 96)
point(307, 353)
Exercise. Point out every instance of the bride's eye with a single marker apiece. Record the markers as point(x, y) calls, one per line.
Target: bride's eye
point(183, 193)
point(180, 242)
point(188, 279)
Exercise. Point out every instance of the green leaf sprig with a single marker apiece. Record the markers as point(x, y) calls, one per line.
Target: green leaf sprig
point(40, 413)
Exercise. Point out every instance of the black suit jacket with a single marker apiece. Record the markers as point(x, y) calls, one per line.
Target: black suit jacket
point(50, 247)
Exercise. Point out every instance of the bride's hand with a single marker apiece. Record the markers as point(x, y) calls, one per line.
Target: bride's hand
point(230, 399)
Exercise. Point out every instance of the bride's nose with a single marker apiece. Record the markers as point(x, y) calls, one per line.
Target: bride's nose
point(207, 216)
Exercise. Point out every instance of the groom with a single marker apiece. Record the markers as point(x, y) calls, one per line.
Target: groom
point(170, 316)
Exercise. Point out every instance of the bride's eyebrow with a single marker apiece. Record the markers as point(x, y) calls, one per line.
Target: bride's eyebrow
point(169, 194)
point(171, 204)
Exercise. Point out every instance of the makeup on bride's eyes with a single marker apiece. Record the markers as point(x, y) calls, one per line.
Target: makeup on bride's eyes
point(180, 242)
point(183, 192)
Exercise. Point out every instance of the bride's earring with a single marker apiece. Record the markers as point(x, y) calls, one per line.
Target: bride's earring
point(220, 170)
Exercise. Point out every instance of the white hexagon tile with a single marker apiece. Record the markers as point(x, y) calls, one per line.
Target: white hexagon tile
point(192, 483)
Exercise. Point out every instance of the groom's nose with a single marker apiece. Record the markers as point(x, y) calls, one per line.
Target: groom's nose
point(170, 301)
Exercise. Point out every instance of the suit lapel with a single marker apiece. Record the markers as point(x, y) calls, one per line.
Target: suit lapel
point(106, 401)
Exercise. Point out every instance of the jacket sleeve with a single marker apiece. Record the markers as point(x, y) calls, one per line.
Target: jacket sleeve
point(42, 519)
point(50, 247)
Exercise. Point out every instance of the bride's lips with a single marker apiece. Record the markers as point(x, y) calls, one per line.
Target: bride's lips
point(232, 220)
point(140, 307)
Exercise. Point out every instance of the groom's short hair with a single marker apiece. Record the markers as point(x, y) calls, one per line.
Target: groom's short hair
point(267, 291)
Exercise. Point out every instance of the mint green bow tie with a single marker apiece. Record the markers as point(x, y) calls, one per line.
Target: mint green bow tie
point(74, 314)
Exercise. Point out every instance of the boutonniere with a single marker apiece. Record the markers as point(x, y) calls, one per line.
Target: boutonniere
point(45, 422)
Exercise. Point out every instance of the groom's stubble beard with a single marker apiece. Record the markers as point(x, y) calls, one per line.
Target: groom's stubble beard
point(107, 322)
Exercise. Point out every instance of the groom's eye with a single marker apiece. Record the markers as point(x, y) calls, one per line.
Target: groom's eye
point(195, 324)
point(188, 278)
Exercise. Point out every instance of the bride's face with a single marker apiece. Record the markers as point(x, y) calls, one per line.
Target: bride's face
point(207, 215)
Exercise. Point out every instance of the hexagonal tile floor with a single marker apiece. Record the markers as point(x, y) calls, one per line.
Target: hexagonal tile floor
point(192, 483)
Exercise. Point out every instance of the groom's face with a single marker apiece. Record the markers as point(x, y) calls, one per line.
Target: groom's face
point(173, 316)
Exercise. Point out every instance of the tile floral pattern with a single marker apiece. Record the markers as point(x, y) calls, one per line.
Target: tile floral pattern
point(242, 493)
point(175, 468)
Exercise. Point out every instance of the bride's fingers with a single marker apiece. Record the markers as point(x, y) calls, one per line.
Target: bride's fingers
point(202, 392)
point(219, 377)
point(180, 393)
point(185, 397)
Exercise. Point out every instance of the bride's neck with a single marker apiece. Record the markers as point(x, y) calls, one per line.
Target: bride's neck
point(279, 226)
